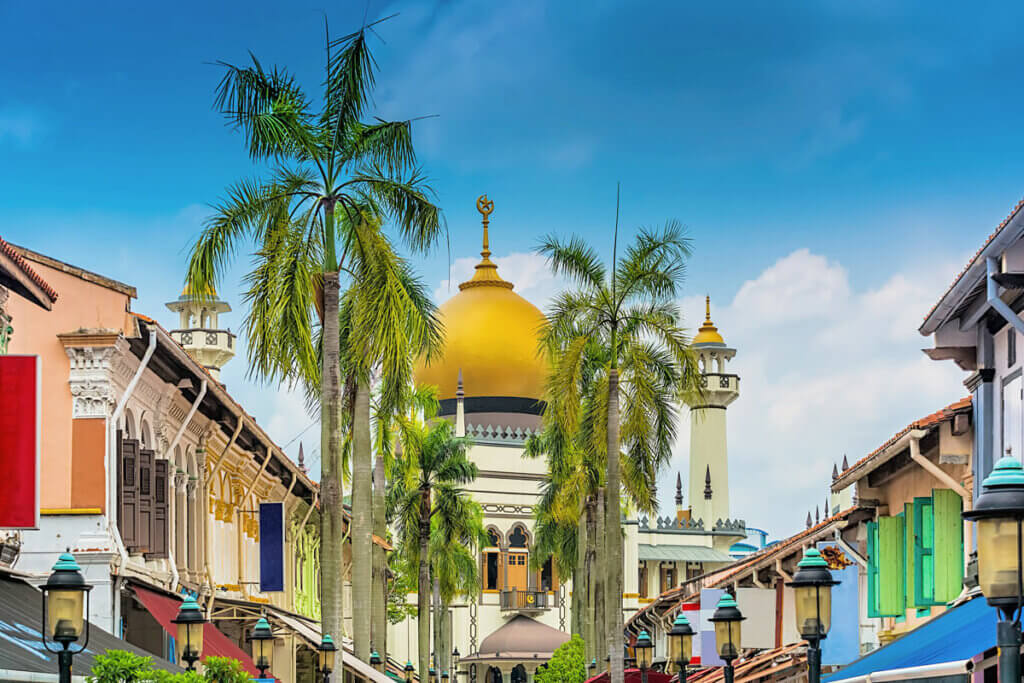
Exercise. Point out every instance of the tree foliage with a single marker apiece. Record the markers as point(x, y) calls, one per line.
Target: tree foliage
point(567, 664)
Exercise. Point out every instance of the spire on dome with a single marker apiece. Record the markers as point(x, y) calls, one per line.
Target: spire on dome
point(708, 333)
point(486, 274)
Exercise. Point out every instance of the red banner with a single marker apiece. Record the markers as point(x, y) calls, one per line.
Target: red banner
point(19, 442)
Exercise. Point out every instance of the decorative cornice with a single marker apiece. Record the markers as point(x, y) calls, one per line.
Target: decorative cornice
point(89, 376)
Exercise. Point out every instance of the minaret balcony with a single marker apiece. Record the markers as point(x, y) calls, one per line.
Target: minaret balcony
point(204, 338)
point(520, 601)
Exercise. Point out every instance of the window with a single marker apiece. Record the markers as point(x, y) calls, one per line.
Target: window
point(517, 539)
point(494, 540)
point(548, 578)
point(668, 576)
point(642, 580)
point(1011, 347)
point(491, 567)
point(1012, 416)
point(142, 499)
point(886, 559)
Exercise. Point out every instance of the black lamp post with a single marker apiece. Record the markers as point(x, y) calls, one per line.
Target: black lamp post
point(325, 656)
point(408, 672)
point(190, 621)
point(263, 646)
point(680, 645)
point(812, 592)
point(728, 619)
point(455, 664)
point(376, 662)
point(65, 605)
point(999, 512)
point(644, 649)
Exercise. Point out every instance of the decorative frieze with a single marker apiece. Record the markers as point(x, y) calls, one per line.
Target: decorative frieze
point(90, 371)
point(498, 434)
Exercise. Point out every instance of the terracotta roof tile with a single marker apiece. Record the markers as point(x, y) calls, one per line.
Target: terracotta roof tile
point(20, 261)
point(945, 414)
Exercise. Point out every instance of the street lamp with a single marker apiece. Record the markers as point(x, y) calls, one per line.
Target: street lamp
point(408, 671)
point(263, 646)
point(999, 511)
point(444, 677)
point(455, 663)
point(376, 662)
point(593, 667)
point(644, 649)
point(65, 604)
point(812, 593)
point(325, 656)
point(190, 621)
point(680, 644)
point(727, 619)
point(432, 675)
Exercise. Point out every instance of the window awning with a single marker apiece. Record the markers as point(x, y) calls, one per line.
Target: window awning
point(944, 646)
point(21, 644)
point(682, 553)
point(164, 608)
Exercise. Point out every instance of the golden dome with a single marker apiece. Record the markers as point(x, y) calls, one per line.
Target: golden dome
point(708, 333)
point(490, 337)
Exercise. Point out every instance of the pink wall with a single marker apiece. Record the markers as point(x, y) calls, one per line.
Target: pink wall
point(80, 304)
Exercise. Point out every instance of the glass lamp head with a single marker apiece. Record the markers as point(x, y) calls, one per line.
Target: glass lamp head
point(680, 641)
point(644, 649)
point(326, 653)
point(190, 622)
point(728, 634)
point(64, 593)
point(812, 593)
point(408, 671)
point(263, 645)
point(999, 511)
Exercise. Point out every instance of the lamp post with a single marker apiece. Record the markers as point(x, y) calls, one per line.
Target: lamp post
point(408, 671)
point(190, 621)
point(644, 649)
point(728, 619)
point(325, 656)
point(593, 667)
point(65, 604)
point(680, 644)
point(999, 512)
point(444, 677)
point(263, 646)
point(376, 662)
point(432, 675)
point(812, 593)
point(455, 663)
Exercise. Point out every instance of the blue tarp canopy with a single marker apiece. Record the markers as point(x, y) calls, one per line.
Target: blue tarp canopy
point(956, 635)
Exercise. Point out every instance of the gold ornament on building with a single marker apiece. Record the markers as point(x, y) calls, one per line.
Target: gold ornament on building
point(708, 333)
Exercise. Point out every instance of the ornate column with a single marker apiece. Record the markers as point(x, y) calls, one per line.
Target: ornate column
point(194, 526)
point(90, 379)
point(181, 521)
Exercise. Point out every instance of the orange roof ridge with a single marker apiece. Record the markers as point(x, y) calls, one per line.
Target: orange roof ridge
point(8, 249)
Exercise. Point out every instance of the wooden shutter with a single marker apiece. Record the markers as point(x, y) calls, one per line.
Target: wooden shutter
point(924, 553)
point(949, 544)
point(891, 561)
point(908, 554)
point(159, 532)
point(872, 528)
point(144, 518)
point(128, 490)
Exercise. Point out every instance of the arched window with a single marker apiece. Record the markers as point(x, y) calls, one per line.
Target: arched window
point(491, 560)
point(518, 674)
point(130, 432)
point(147, 436)
point(494, 675)
point(518, 538)
point(494, 537)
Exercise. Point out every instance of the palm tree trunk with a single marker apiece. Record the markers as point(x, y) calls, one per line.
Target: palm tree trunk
point(598, 578)
point(613, 535)
point(332, 522)
point(446, 641)
point(591, 573)
point(379, 602)
point(362, 524)
point(576, 604)
point(613, 539)
point(438, 640)
point(423, 589)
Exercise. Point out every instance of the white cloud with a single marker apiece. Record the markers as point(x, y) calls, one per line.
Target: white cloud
point(825, 369)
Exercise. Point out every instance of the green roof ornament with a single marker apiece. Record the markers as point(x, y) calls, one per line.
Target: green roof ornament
point(812, 558)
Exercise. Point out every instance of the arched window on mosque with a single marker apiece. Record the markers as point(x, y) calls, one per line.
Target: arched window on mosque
point(492, 561)
point(518, 559)
point(517, 539)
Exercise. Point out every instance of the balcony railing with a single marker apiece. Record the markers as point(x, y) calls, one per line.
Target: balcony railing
point(524, 600)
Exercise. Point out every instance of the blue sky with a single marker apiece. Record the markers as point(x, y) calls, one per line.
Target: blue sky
point(835, 163)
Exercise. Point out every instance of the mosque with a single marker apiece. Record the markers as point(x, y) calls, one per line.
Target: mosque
point(491, 380)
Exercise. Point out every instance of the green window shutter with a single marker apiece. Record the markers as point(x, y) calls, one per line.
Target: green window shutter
point(910, 555)
point(891, 561)
point(948, 533)
point(872, 528)
point(924, 553)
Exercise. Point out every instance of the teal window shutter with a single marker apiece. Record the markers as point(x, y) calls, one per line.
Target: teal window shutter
point(891, 566)
point(910, 555)
point(948, 535)
point(872, 528)
point(924, 553)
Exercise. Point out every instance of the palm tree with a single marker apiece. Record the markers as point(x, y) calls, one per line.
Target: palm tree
point(326, 167)
point(426, 486)
point(630, 311)
point(387, 321)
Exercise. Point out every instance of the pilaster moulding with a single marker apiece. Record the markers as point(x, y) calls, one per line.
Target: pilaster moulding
point(180, 480)
point(191, 485)
point(91, 356)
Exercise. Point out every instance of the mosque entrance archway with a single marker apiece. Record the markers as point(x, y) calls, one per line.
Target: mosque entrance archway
point(519, 674)
point(493, 675)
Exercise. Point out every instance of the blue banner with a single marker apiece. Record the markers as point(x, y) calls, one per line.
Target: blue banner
point(271, 547)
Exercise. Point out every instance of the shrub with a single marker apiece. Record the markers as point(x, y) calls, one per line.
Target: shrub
point(567, 664)
point(119, 666)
